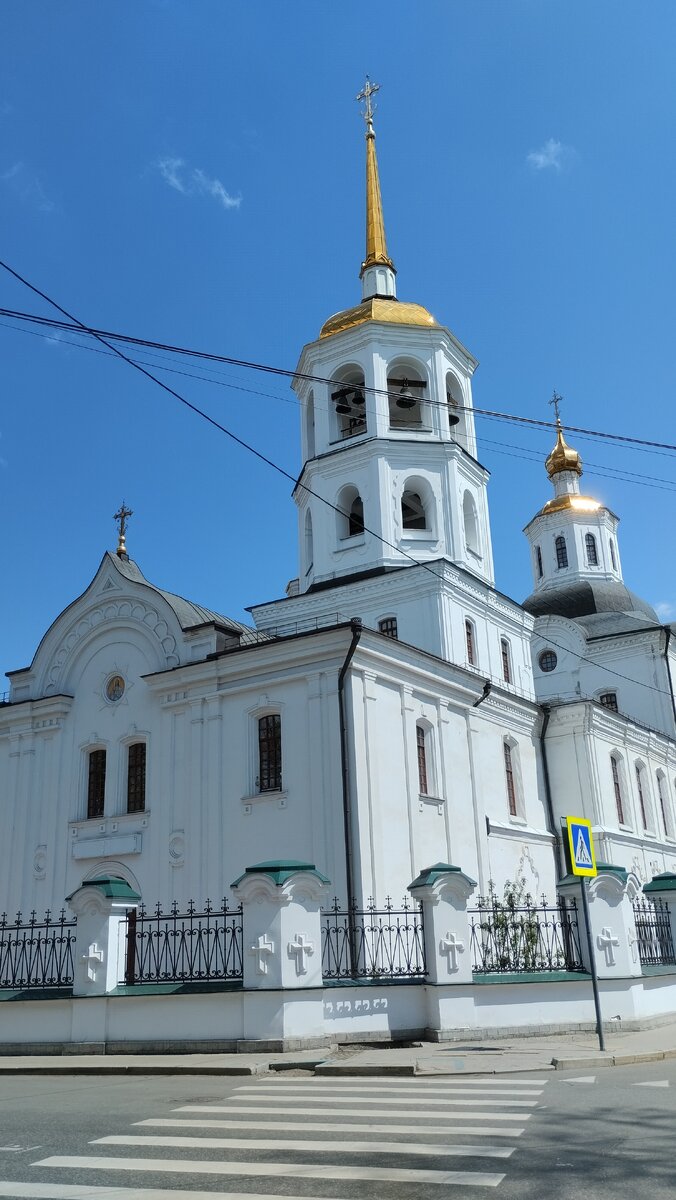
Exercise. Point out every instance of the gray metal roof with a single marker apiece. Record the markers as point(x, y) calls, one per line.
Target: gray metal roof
point(584, 598)
point(188, 614)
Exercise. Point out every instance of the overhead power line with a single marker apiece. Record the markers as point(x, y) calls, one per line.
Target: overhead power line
point(108, 337)
point(76, 324)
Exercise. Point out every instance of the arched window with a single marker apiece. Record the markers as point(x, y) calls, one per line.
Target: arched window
point(612, 553)
point(310, 425)
point(350, 513)
point(407, 389)
point(457, 416)
point(538, 562)
point(421, 742)
point(388, 626)
point(505, 654)
point(617, 788)
point(96, 783)
point(471, 524)
point(348, 401)
point(511, 783)
point(136, 777)
point(590, 548)
point(561, 551)
point(413, 514)
point(269, 753)
point(663, 802)
point(470, 642)
point(641, 788)
point(308, 541)
point(609, 701)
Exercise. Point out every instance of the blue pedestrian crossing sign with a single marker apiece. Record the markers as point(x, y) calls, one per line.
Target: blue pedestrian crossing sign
point(581, 842)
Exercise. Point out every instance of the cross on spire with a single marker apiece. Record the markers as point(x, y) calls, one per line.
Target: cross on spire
point(369, 89)
point(122, 516)
point(555, 401)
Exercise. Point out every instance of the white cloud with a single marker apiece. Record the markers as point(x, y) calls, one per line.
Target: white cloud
point(26, 185)
point(666, 610)
point(195, 182)
point(551, 156)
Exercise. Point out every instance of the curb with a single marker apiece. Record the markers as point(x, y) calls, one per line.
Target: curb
point(136, 1069)
point(611, 1060)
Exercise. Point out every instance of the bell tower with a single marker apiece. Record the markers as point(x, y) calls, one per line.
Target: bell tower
point(387, 430)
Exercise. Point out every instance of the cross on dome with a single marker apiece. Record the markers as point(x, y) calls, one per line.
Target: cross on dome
point(122, 516)
point(369, 89)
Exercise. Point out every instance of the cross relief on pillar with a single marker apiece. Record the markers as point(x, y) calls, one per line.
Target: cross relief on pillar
point(92, 960)
point(606, 942)
point(451, 946)
point(262, 948)
point(299, 948)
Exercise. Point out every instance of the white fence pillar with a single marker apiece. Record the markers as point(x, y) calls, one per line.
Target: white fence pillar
point(444, 891)
point(101, 906)
point(611, 899)
point(281, 920)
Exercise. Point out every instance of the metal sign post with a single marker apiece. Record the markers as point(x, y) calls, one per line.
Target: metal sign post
point(583, 863)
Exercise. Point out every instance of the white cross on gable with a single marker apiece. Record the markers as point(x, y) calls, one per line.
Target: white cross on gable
point(93, 959)
point(262, 947)
point(451, 946)
point(606, 941)
point(298, 949)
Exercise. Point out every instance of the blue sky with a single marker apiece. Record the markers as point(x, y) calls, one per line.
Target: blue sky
point(191, 171)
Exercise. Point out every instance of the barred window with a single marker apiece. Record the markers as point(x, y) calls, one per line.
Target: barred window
point(506, 662)
point(270, 753)
point(136, 777)
point(388, 626)
point(641, 796)
point(609, 700)
point(96, 784)
point(561, 552)
point(509, 779)
point(469, 640)
point(590, 547)
point(422, 759)
point(617, 788)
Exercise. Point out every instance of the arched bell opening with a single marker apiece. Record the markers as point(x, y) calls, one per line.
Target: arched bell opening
point(456, 412)
point(348, 402)
point(408, 394)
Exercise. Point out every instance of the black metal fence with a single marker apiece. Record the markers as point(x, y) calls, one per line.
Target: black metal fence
point(191, 946)
point(36, 954)
point(373, 943)
point(653, 933)
point(526, 937)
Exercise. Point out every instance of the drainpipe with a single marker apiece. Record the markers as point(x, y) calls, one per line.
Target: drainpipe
point(558, 861)
point(667, 630)
point(356, 627)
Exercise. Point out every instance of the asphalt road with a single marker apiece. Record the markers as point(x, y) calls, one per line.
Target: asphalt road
point(602, 1135)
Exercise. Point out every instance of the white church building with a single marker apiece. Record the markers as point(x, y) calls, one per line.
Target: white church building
point(393, 710)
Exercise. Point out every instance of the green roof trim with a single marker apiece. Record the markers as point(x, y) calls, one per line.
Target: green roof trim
point(282, 869)
point(530, 977)
point(112, 886)
point(605, 868)
point(661, 883)
point(429, 875)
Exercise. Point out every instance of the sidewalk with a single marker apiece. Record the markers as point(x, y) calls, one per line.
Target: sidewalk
point(499, 1056)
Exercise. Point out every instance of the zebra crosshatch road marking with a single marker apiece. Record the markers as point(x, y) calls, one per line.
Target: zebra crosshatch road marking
point(402, 1133)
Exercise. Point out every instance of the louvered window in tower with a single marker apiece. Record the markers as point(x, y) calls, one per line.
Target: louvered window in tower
point(270, 753)
point(136, 777)
point(96, 784)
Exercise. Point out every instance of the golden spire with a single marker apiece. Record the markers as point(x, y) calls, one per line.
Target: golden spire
point(562, 457)
point(122, 515)
point(376, 246)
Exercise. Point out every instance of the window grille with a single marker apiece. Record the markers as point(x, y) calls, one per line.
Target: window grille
point(561, 552)
point(96, 785)
point(388, 626)
point(547, 661)
point(609, 700)
point(270, 753)
point(509, 777)
point(641, 797)
point(422, 760)
point(506, 666)
point(617, 789)
point(136, 777)
point(469, 638)
point(592, 553)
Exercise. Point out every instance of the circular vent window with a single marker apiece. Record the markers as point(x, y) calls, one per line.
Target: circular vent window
point(547, 660)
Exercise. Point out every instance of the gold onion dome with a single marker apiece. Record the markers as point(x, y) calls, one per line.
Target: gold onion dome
point(389, 312)
point(563, 457)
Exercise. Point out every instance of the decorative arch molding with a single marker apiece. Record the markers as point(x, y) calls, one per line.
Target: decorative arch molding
point(106, 867)
point(87, 625)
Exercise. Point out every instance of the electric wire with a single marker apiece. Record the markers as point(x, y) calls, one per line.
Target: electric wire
point(101, 337)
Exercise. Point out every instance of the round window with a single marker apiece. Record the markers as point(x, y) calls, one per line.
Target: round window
point(115, 688)
point(547, 660)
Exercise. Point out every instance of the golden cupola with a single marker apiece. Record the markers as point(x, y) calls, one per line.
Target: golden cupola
point(562, 457)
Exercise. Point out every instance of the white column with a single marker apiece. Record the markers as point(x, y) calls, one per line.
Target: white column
point(444, 891)
point(101, 908)
point(611, 897)
point(281, 919)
